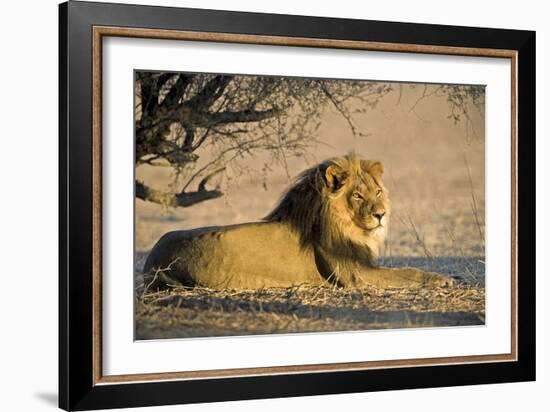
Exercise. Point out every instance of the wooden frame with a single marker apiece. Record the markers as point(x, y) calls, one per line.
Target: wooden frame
point(82, 27)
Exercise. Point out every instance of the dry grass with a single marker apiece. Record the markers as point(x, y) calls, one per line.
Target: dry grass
point(198, 312)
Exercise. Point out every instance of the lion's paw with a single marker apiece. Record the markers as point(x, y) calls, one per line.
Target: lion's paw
point(440, 281)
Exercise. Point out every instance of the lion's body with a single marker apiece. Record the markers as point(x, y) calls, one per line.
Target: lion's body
point(247, 256)
point(327, 228)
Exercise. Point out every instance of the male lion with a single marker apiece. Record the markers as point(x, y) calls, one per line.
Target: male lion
point(326, 229)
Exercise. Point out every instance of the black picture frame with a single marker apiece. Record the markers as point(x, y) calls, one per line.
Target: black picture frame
point(77, 387)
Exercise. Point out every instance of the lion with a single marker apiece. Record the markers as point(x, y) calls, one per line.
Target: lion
point(327, 229)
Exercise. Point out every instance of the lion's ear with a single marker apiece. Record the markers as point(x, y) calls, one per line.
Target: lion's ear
point(375, 169)
point(335, 177)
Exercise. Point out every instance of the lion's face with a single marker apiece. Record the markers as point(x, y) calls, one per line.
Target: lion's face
point(338, 204)
point(358, 200)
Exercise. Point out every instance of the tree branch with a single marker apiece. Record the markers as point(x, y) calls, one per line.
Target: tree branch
point(245, 116)
point(189, 137)
point(148, 95)
point(186, 116)
point(342, 110)
point(205, 180)
point(177, 90)
point(211, 92)
point(183, 199)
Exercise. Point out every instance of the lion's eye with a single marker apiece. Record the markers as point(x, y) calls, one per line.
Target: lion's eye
point(379, 193)
point(357, 195)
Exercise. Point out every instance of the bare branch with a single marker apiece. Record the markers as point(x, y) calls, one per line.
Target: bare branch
point(419, 99)
point(210, 93)
point(183, 199)
point(176, 91)
point(205, 180)
point(342, 111)
point(244, 116)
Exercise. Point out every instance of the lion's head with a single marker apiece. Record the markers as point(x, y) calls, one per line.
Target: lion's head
point(340, 205)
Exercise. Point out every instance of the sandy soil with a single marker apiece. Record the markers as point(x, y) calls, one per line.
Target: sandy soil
point(434, 170)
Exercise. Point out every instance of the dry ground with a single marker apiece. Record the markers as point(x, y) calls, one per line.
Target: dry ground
point(201, 312)
point(204, 312)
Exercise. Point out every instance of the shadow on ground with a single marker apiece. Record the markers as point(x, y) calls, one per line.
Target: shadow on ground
point(467, 268)
point(184, 321)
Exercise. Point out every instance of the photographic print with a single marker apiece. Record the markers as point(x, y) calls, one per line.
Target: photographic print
point(271, 205)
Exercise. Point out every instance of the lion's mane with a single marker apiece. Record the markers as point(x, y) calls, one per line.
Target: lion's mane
point(308, 208)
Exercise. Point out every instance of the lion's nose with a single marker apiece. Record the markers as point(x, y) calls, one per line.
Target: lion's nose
point(379, 215)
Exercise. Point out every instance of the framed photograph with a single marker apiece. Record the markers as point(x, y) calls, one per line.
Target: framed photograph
point(256, 205)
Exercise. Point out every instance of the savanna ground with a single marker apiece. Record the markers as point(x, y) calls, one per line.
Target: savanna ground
point(435, 173)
